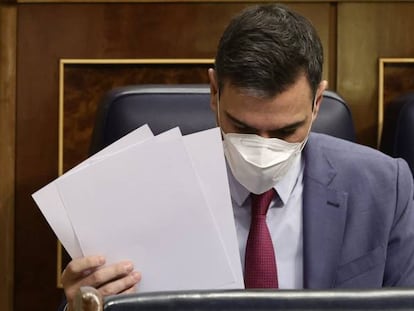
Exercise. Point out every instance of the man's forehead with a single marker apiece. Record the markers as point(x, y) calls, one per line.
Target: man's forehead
point(234, 89)
point(300, 88)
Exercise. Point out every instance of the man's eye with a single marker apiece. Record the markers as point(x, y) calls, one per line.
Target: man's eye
point(288, 131)
point(243, 129)
point(283, 133)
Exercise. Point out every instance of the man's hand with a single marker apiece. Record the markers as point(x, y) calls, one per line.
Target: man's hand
point(88, 271)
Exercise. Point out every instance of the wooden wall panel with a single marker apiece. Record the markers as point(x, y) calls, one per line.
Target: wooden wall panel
point(366, 32)
point(85, 85)
point(48, 32)
point(7, 152)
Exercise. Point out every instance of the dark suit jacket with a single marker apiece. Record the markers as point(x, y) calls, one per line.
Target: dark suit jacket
point(358, 217)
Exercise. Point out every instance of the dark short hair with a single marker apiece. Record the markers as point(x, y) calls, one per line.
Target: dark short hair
point(265, 48)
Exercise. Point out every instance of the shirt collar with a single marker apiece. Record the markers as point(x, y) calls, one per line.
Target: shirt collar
point(283, 187)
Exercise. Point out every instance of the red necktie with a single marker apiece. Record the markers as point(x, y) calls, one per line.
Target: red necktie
point(260, 269)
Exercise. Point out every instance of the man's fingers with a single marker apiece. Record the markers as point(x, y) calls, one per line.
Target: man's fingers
point(130, 290)
point(122, 285)
point(89, 271)
point(78, 267)
point(105, 275)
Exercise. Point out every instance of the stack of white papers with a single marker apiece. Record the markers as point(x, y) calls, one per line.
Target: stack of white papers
point(162, 202)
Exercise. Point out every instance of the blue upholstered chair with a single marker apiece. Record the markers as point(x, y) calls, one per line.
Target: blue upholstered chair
point(398, 130)
point(404, 132)
point(188, 106)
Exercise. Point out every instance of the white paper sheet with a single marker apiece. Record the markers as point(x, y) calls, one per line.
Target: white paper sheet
point(51, 205)
point(206, 150)
point(132, 203)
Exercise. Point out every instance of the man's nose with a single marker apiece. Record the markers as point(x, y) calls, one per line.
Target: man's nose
point(265, 134)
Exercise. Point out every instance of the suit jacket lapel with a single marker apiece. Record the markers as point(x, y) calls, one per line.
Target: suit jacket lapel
point(324, 217)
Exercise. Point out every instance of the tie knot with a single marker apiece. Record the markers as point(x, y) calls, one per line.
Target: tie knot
point(260, 202)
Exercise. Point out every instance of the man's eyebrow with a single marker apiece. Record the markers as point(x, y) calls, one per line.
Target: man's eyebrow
point(292, 126)
point(288, 127)
point(238, 122)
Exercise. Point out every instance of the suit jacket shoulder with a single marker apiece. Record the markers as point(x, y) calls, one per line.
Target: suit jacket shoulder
point(348, 158)
point(358, 216)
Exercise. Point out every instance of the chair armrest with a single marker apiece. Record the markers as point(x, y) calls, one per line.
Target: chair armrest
point(88, 299)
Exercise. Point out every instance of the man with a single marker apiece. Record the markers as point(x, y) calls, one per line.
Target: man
point(340, 215)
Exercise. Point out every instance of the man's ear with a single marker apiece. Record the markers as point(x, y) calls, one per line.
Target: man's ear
point(319, 97)
point(213, 89)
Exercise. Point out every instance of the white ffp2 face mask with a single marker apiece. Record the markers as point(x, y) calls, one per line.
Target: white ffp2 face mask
point(258, 163)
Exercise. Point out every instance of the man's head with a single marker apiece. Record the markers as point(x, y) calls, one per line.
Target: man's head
point(268, 73)
point(266, 48)
point(266, 91)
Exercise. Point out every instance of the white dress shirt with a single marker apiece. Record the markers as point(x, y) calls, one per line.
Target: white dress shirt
point(284, 219)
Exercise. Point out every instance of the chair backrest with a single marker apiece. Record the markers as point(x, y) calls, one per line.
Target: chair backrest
point(188, 106)
point(247, 300)
point(404, 132)
point(397, 139)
